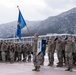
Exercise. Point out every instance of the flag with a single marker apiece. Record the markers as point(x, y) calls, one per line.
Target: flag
point(21, 24)
point(18, 33)
point(21, 20)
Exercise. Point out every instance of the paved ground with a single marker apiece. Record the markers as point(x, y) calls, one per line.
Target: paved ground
point(26, 69)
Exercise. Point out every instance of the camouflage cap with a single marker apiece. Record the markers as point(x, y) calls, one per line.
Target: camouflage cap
point(36, 34)
point(70, 36)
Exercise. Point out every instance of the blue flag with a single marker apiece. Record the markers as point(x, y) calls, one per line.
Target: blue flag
point(18, 31)
point(21, 20)
point(21, 24)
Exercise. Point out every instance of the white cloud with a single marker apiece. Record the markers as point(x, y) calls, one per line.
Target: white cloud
point(33, 9)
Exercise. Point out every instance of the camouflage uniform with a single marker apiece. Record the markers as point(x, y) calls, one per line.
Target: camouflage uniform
point(29, 52)
point(36, 58)
point(74, 55)
point(3, 54)
point(19, 52)
point(75, 48)
point(24, 52)
point(69, 49)
point(51, 50)
point(59, 53)
point(7, 52)
point(0, 50)
point(12, 52)
point(16, 53)
point(63, 51)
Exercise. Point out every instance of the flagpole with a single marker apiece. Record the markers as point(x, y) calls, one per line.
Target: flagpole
point(18, 8)
point(26, 25)
point(28, 30)
point(30, 34)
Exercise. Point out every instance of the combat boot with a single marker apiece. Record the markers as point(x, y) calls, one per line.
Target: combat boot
point(57, 62)
point(42, 64)
point(29, 60)
point(38, 68)
point(68, 69)
point(24, 60)
point(35, 69)
point(60, 65)
point(49, 64)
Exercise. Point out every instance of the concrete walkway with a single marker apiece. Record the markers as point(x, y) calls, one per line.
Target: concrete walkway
point(26, 69)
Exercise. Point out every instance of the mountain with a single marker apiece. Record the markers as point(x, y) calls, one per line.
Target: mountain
point(62, 23)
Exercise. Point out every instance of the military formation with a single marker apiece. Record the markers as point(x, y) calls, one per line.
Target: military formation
point(15, 52)
point(64, 48)
point(66, 52)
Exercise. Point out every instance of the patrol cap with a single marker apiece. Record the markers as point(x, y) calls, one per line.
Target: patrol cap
point(59, 36)
point(36, 34)
point(70, 36)
point(51, 37)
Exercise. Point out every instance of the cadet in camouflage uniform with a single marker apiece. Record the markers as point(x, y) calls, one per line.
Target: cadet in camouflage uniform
point(19, 52)
point(36, 58)
point(69, 49)
point(6, 49)
point(29, 52)
point(51, 51)
point(16, 53)
point(24, 52)
point(7, 52)
point(74, 55)
point(0, 50)
point(3, 49)
point(63, 51)
point(12, 52)
point(59, 51)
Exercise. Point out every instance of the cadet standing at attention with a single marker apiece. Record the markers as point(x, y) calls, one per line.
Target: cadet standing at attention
point(59, 51)
point(51, 51)
point(3, 49)
point(69, 49)
point(36, 57)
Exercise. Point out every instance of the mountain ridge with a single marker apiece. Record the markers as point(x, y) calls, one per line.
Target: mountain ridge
point(62, 23)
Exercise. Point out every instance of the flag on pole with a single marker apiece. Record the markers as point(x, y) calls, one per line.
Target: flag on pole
point(21, 24)
point(21, 20)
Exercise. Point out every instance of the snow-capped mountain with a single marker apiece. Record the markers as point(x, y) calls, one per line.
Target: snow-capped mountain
point(62, 23)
